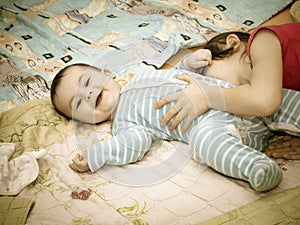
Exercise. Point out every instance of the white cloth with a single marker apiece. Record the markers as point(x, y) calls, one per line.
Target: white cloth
point(17, 173)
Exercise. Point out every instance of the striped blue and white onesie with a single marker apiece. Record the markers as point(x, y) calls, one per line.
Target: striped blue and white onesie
point(229, 144)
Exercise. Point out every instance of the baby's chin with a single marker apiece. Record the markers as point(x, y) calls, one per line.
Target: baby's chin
point(97, 121)
point(88, 120)
point(96, 117)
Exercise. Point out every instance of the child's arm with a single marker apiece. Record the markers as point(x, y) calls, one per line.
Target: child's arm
point(261, 97)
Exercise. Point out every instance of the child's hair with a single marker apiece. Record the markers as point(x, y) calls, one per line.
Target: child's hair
point(56, 82)
point(216, 44)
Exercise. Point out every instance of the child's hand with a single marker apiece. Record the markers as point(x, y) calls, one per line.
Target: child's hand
point(198, 59)
point(190, 103)
point(288, 149)
point(79, 164)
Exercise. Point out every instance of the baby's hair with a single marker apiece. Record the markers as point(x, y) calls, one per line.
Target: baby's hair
point(56, 82)
point(216, 44)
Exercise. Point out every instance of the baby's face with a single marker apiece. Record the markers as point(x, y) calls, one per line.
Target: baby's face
point(88, 94)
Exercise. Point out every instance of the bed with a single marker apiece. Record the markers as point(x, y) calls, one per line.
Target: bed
point(40, 37)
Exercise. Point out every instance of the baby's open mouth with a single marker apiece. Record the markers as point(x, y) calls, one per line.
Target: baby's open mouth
point(99, 99)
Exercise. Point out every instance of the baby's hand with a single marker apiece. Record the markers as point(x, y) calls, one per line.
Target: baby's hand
point(198, 59)
point(79, 164)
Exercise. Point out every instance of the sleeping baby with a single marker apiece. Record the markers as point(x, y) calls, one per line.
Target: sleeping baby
point(227, 143)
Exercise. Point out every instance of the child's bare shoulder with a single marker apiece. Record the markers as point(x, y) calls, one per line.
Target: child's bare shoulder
point(264, 38)
point(265, 44)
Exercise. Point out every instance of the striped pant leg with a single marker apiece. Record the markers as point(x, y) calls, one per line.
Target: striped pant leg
point(212, 143)
point(287, 117)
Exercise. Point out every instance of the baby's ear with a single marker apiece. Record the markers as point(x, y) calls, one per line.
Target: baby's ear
point(107, 71)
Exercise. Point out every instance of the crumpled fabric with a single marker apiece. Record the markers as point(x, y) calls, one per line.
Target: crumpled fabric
point(17, 173)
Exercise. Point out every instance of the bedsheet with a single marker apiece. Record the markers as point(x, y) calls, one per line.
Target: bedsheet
point(40, 37)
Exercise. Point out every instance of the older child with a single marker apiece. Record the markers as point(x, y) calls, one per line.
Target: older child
point(216, 138)
point(259, 65)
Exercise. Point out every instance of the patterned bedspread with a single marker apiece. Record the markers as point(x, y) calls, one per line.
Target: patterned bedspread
point(39, 37)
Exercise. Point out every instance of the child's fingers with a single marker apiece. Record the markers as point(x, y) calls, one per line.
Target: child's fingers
point(283, 150)
point(292, 156)
point(284, 153)
point(282, 145)
point(185, 77)
point(287, 138)
point(160, 103)
point(190, 80)
point(168, 116)
point(276, 155)
point(187, 124)
point(176, 121)
point(165, 100)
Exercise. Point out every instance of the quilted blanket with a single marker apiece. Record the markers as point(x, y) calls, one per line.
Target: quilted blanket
point(14, 211)
point(39, 37)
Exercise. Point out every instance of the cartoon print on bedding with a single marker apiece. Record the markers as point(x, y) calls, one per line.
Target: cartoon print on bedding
point(26, 85)
point(32, 87)
point(176, 31)
point(205, 14)
point(19, 49)
point(141, 7)
point(9, 72)
point(68, 21)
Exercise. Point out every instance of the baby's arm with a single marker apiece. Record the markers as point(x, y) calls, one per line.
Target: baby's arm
point(196, 61)
point(127, 146)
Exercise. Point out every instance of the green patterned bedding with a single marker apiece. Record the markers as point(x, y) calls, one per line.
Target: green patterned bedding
point(280, 208)
point(14, 210)
point(40, 37)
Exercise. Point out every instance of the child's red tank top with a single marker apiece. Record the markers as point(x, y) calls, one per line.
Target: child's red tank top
point(289, 37)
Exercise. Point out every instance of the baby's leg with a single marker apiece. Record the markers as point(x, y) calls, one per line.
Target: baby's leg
point(287, 117)
point(214, 144)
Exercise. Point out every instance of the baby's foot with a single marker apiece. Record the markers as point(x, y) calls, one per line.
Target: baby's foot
point(265, 175)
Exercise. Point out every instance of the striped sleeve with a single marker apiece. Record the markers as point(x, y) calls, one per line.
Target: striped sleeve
point(125, 147)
